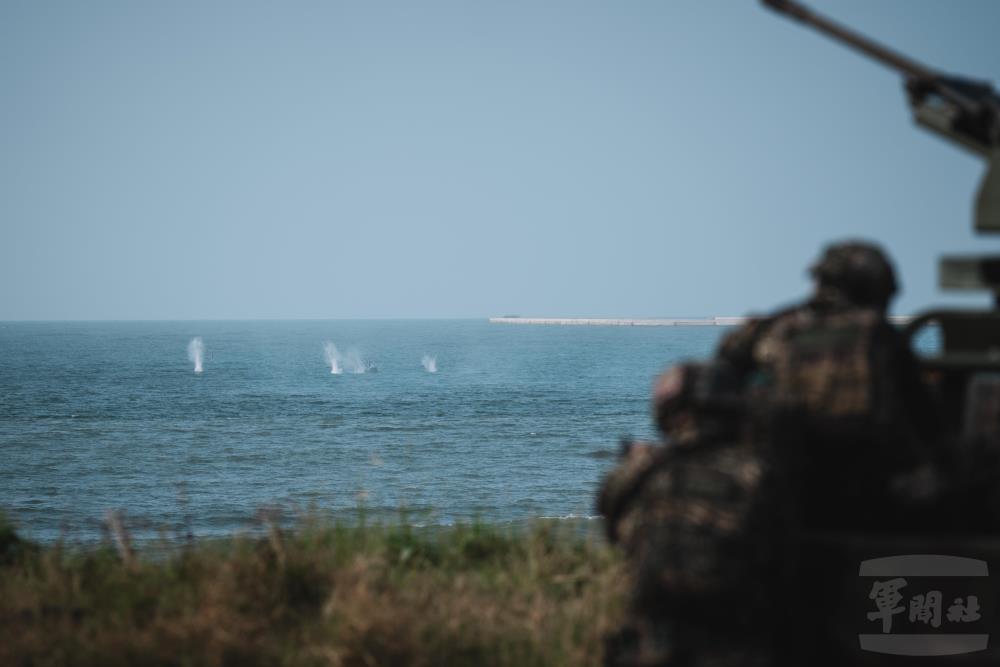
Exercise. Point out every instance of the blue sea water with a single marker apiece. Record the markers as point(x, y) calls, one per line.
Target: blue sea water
point(517, 423)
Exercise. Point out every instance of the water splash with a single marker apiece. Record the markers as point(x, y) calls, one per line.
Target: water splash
point(355, 363)
point(352, 362)
point(348, 362)
point(196, 352)
point(333, 358)
point(429, 363)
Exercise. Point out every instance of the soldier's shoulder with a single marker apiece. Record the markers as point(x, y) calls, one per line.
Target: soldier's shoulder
point(737, 345)
point(621, 486)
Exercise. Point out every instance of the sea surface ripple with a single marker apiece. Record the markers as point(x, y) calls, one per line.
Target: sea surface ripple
point(517, 422)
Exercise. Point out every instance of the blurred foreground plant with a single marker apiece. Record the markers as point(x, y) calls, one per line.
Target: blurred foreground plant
point(324, 593)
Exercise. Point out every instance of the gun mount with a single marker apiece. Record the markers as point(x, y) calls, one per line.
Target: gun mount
point(964, 111)
point(967, 113)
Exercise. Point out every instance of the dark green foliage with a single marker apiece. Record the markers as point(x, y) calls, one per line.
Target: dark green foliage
point(12, 547)
point(323, 594)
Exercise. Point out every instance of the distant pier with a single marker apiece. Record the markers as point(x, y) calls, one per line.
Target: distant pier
point(626, 322)
point(650, 322)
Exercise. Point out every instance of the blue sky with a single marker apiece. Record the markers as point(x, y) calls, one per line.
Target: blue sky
point(203, 160)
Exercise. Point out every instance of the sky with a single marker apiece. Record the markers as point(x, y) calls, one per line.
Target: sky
point(398, 159)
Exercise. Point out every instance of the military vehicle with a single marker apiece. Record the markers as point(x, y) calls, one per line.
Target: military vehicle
point(885, 598)
point(966, 113)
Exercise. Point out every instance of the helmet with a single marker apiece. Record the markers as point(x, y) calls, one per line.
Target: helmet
point(690, 396)
point(859, 271)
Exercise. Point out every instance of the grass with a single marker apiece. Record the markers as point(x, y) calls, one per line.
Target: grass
point(321, 594)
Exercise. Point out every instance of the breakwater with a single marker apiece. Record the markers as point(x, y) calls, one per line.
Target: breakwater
point(625, 322)
point(898, 320)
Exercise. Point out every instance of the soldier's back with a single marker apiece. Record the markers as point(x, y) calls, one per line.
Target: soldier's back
point(698, 533)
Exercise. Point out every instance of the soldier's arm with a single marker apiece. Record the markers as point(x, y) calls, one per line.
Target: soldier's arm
point(622, 485)
point(918, 404)
point(921, 398)
point(737, 347)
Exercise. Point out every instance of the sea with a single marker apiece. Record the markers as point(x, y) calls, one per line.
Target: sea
point(429, 421)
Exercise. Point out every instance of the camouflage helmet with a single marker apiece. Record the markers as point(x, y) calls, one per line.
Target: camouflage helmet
point(689, 396)
point(672, 395)
point(860, 271)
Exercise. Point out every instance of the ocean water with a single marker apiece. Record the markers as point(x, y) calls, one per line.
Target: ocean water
point(517, 422)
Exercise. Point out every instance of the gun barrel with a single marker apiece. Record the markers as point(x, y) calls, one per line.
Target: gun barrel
point(887, 56)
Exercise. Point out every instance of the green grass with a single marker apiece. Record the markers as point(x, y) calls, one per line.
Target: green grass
point(321, 594)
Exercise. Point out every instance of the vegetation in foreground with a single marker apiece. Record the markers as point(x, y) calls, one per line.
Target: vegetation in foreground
point(322, 594)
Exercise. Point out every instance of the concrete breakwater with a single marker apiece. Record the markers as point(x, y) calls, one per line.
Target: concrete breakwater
point(624, 322)
point(649, 322)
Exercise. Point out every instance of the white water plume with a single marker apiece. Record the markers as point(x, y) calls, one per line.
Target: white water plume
point(196, 352)
point(333, 358)
point(348, 362)
point(355, 363)
point(429, 363)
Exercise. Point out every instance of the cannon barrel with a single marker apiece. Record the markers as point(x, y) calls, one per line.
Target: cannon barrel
point(911, 68)
point(963, 111)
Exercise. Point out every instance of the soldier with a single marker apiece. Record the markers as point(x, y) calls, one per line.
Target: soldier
point(692, 518)
point(837, 397)
point(812, 419)
point(836, 354)
point(836, 376)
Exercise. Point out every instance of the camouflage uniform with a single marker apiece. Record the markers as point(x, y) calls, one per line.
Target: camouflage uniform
point(835, 356)
point(803, 423)
point(835, 376)
point(840, 403)
point(691, 519)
